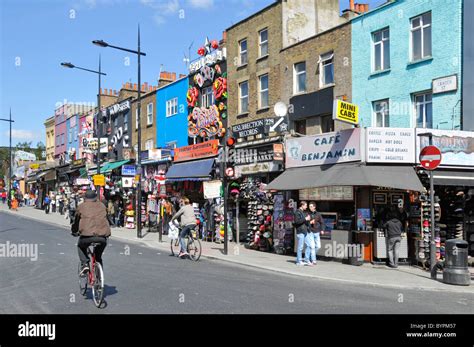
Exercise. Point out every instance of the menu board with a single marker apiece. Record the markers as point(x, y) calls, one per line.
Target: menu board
point(334, 193)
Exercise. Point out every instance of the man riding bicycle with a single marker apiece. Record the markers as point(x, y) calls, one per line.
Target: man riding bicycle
point(187, 222)
point(92, 225)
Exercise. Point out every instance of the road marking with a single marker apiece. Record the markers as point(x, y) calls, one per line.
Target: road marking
point(140, 253)
point(41, 244)
point(158, 253)
point(121, 253)
point(42, 253)
point(61, 253)
point(59, 244)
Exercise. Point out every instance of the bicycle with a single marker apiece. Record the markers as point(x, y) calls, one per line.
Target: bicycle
point(94, 277)
point(193, 245)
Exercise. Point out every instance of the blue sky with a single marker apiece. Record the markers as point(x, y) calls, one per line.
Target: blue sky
point(37, 35)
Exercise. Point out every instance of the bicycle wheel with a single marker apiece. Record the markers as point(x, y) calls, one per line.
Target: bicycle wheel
point(194, 249)
point(175, 247)
point(82, 281)
point(98, 286)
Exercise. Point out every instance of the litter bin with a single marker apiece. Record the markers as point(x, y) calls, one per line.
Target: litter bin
point(456, 270)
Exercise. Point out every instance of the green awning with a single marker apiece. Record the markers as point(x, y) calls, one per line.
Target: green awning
point(83, 172)
point(108, 167)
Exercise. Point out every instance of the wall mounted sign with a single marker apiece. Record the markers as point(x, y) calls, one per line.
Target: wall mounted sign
point(210, 59)
point(395, 197)
point(252, 128)
point(127, 154)
point(445, 84)
point(390, 145)
point(104, 145)
point(205, 122)
point(256, 168)
point(334, 193)
point(127, 182)
point(117, 108)
point(345, 112)
point(279, 125)
point(200, 150)
point(328, 148)
point(457, 147)
point(253, 155)
point(380, 198)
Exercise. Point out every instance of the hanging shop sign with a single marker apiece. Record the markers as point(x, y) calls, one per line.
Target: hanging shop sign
point(99, 180)
point(445, 84)
point(251, 169)
point(329, 148)
point(334, 193)
point(390, 145)
point(201, 150)
point(212, 189)
point(345, 112)
point(118, 108)
point(127, 153)
point(104, 145)
point(205, 122)
point(457, 147)
point(127, 182)
point(129, 170)
point(154, 154)
point(24, 156)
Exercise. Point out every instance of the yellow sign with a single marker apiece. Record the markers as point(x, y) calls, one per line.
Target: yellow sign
point(137, 178)
point(99, 180)
point(34, 166)
point(345, 112)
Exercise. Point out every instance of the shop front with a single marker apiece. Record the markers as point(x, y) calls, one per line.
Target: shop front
point(353, 194)
point(192, 167)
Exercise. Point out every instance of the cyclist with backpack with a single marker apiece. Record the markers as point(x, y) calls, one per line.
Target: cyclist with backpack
point(187, 222)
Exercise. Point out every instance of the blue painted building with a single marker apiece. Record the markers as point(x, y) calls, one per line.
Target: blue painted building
point(72, 131)
point(172, 115)
point(406, 64)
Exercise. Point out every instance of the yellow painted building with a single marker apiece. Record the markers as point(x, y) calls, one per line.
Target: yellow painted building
point(49, 125)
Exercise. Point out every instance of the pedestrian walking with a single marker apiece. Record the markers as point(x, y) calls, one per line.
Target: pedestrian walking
point(53, 203)
point(26, 199)
point(72, 207)
point(393, 228)
point(301, 223)
point(111, 212)
point(47, 201)
point(61, 204)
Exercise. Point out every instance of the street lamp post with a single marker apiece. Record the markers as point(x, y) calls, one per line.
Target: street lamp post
point(138, 209)
point(100, 74)
point(10, 155)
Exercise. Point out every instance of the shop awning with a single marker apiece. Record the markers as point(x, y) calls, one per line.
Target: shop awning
point(197, 170)
point(82, 172)
point(108, 167)
point(396, 177)
point(454, 178)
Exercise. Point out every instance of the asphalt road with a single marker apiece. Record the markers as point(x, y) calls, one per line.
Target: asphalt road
point(144, 280)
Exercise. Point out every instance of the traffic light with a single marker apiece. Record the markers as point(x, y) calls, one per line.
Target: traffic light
point(230, 171)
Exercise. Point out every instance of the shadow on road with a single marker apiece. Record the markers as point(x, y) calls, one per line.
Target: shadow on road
point(2, 231)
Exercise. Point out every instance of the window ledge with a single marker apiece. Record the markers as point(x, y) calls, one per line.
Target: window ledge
point(240, 67)
point(414, 62)
point(299, 93)
point(149, 125)
point(380, 72)
point(263, 57)
point(263, 109)
point(331, 85)
point(242, 115)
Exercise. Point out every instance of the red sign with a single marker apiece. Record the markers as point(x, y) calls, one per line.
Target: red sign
point(200, 150)
point(430, 157)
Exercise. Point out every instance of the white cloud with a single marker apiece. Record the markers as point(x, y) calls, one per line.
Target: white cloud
point(21, 134)
point(201, 3)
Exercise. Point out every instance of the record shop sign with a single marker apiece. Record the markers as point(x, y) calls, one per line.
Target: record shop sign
point(252, 128)
point(329, 148)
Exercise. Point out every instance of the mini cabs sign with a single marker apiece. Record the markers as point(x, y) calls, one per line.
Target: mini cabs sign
point(345, 112)
point(99, 180)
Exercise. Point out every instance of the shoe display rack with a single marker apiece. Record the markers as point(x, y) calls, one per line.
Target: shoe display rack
point(469, 222)
point(423, 242)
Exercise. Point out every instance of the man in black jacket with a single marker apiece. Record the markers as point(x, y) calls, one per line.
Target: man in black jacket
point(301, 223)
point(394, 232)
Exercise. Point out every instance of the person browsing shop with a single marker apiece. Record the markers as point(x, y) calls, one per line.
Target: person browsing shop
point(394, 232)
point(316, 228)
point(301, 224)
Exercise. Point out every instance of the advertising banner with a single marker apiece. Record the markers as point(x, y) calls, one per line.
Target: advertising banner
point(390, 145)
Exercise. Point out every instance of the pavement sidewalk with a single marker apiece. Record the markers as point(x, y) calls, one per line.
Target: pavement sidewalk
point(405, 277)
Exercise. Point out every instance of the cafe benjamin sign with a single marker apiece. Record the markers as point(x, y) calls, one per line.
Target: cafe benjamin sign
point(329, 148)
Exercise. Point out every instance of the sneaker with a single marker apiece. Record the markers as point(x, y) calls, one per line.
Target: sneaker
point(314, 263)
point(301, 263)
point(308, 263)
point(84, 271)
point(183, 254)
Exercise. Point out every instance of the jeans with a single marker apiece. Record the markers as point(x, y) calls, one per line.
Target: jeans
point(301, 241)
point(317, 243)
point(393, 250)
point(83, 244)
point(184, 232)
point(309, 253)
